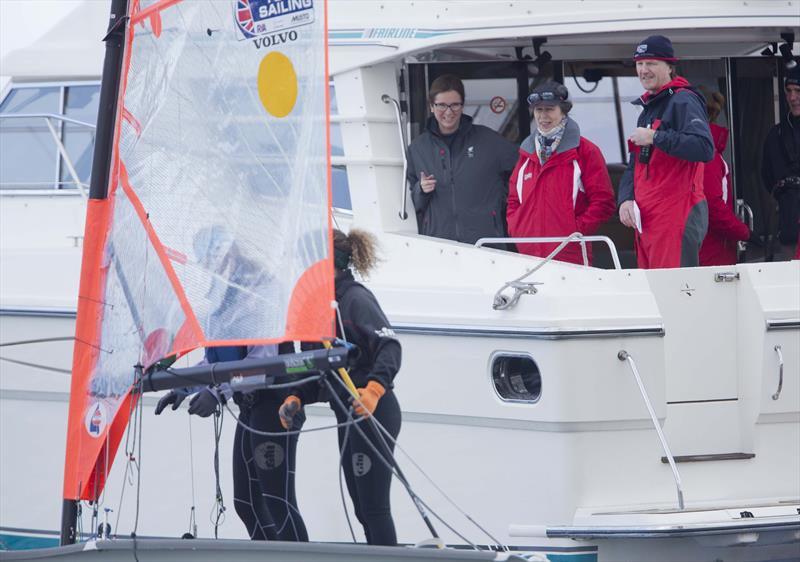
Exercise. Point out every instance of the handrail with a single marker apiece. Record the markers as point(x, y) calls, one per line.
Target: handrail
point(574, 237)
point(386, 98)
point(745, 214)
point(780, 373)
point(623, 355)
point(55, 116)
point(48, 117)
point(502, 302)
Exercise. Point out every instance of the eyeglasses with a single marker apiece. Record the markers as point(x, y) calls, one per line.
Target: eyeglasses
point(545, 96)
point(454, 107)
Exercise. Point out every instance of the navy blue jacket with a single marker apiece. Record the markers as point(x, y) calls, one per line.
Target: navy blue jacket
point(683, 133)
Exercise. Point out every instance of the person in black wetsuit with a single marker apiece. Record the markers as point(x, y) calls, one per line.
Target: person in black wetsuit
point(367, 475)
point(263, 466)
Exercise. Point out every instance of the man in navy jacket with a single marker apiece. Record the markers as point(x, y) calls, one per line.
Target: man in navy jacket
point(661, 192)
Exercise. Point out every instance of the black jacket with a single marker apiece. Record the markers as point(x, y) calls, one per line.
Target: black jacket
point(365, 326)
point(781, 153)
point(780, 171)
point(471, 172)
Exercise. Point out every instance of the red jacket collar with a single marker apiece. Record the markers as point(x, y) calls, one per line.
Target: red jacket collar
point(720, 136)
point(675, 83)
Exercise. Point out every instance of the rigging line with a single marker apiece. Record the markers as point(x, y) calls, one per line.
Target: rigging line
point(41, 340)
point(415, 498)
point(341, 487)
point(219, 502)
point(37, 366)
point(290, 432)
point(126, 476)
point(192, 520)
point(393, 467)
point(97, 347)
point(96, 301)
point(140, 424)
point(438, 489)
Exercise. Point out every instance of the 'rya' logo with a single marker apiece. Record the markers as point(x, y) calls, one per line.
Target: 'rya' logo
point(641, 49)
point(261, 17)
point(96, 419)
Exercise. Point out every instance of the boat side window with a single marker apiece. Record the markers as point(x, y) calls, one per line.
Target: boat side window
point(29, 156)
point(516, 377)
point(340, 186)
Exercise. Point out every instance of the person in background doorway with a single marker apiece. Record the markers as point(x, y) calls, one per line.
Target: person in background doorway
point(780, 168)
point(661, 191)
point(724, 228)
point(560, 184)
point(458, 171)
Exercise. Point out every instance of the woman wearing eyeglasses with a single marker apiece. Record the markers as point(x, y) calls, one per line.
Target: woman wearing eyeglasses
point(560, 184)
point(458, 171)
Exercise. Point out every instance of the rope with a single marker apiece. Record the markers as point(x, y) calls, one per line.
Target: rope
point(429, 479)
point(219, 501)
point(192, 520)
point(415, 498)
point(41, 340)
point(341, 487)
point(37, 366)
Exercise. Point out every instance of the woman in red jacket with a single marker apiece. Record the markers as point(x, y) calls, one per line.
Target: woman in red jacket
point(560, 184)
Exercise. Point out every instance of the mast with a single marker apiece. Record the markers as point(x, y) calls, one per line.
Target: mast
point(101, 164)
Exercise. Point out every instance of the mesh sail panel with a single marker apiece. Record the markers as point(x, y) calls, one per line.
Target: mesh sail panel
point(216, 228)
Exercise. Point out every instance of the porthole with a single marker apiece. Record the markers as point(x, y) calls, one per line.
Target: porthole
point(516, 377)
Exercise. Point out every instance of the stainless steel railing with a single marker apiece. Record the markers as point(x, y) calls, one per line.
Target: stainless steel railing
point(386, 98)
point(623, 355)
point(503, 302)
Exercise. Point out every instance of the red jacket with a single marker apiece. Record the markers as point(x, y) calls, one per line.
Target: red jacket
point(667, 189)
point(571, 192)
point(724, 229)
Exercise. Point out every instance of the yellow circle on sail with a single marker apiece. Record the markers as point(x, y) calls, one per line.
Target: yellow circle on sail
point(277, 84)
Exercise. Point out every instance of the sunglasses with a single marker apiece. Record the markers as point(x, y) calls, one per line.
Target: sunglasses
point(546, 96)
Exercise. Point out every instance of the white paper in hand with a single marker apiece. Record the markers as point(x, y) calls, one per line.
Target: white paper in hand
point(637, 217)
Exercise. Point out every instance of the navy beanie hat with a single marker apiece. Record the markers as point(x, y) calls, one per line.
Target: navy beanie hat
point(792, 77)
point(655, 47)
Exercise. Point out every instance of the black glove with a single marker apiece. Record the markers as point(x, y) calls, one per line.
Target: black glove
point(205, 402)
point(174, 397)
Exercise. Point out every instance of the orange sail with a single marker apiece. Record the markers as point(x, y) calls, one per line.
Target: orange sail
point(216, 225)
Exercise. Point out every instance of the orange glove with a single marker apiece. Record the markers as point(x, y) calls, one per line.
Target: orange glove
point(287, 411)
point(369, 397)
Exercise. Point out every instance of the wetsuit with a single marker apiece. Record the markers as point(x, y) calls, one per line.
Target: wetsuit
point(263, 467)
point(668, 190)
point(368, 477)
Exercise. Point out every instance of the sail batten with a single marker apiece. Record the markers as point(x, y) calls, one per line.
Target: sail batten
point(216, 226)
